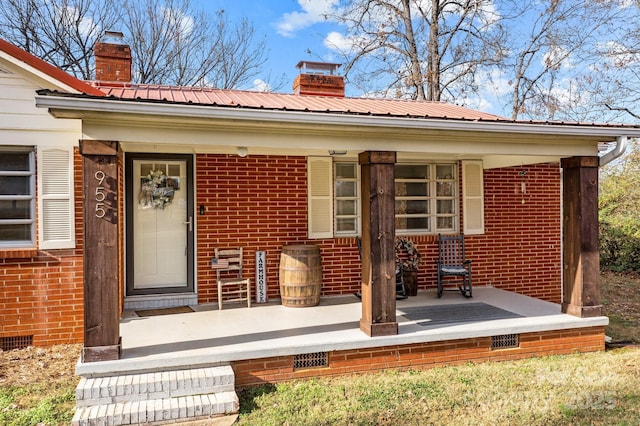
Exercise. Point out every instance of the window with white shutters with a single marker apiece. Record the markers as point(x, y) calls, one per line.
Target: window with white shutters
point(473, 197)
point(55, 167)
point(320, 197)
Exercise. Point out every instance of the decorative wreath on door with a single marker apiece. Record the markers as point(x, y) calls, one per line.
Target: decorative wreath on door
point(156, 190)
point(407, 254)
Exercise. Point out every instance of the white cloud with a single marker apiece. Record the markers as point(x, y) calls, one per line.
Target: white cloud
point(556, 57)
point(618, 55)
point(341, 43)
point(261, 86)
point(312, 12)
point(624, 4)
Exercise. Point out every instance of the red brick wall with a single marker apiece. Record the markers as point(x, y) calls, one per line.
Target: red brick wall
point(260, 203)
point(420, 356)
point(41, 291)
point(521, 248)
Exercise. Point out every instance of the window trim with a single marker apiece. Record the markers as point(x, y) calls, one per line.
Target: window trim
point(32, 197)
point(433, 198)
point(358, 215)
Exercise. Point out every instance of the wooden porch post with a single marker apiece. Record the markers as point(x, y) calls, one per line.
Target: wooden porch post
point(100, 195)
point(581, 258)
point(378, 243)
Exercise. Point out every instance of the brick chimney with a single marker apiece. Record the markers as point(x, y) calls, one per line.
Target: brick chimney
point(113, 58)
point(318, 79)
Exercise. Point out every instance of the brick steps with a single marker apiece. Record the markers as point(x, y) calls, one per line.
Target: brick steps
point(156, 397)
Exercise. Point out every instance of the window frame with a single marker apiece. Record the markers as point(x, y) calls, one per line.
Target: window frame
point(336, 199)
point(432, 199)
point(31, 173)
point(432, 215)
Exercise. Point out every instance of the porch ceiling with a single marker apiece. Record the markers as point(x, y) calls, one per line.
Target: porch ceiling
point(205, 337)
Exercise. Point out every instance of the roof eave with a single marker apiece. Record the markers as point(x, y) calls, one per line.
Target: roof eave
point(44, 70)
point(80, 107)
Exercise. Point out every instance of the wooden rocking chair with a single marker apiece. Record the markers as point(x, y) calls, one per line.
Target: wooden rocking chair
point(228, 266)
point(452, 261)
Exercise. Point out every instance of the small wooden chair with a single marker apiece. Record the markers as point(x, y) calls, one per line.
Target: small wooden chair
point(228, 266)
point(452, 261)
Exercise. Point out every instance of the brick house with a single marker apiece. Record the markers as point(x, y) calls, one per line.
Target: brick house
point(263, 170)
point(40, 207)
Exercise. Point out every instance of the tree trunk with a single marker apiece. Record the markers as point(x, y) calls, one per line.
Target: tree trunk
point(433, 71)
point(417, 79)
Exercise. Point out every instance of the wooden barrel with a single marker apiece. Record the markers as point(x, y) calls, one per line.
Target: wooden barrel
point(300, 275)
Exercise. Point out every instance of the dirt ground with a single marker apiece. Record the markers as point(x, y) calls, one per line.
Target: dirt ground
point(55, 365)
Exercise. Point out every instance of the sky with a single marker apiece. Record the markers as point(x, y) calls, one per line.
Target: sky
point(295, 30)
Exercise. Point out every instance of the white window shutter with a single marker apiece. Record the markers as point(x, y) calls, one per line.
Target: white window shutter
point(56, 204)
point(320, 196)
point(473, 197)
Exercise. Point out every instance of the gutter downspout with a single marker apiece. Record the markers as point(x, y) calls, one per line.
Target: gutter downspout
point(620, 148)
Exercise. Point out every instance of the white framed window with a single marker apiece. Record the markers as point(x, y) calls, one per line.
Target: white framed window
point(17, 197)
point(346, 181)
point(426, 198)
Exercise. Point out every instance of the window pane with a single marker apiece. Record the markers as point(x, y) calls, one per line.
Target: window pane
point(412, 189)
point(444, 189)
point(405, 223)
point(13, 162)
point(145, 169)
point(412, 171)
point(412, 207)
point(15, 209)
point(445, 223)
point(15, 232)
point(345, 207)
point(15, 185)
point(346, 225)
point(444, 171)
point(346, 189)
point(445, 206)
point(345, 170)
point(174, 170)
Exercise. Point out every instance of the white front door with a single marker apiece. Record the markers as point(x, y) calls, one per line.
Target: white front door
point(161, 220)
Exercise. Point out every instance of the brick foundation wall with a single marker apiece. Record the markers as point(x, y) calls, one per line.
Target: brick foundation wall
point(260, 203)
point(41, 291)
point(420, 356)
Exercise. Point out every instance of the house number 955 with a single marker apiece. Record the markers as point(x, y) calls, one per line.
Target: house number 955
point(100, 195)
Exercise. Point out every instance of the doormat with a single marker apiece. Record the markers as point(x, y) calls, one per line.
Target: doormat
point(454, 314)
point(164, 311)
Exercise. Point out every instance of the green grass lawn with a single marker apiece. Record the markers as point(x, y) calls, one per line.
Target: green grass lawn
point(37, 386)
point(596, 388)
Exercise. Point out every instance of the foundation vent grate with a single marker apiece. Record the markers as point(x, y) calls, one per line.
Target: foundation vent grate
point(15, 342)
point(505, 341)
point(312, 360)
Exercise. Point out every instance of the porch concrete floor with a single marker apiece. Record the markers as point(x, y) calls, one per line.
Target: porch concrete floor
point(211, 337)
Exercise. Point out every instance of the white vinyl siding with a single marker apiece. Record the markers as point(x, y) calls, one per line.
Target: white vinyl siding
point(55, 178)
point(473, 197)
point(320, 197)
